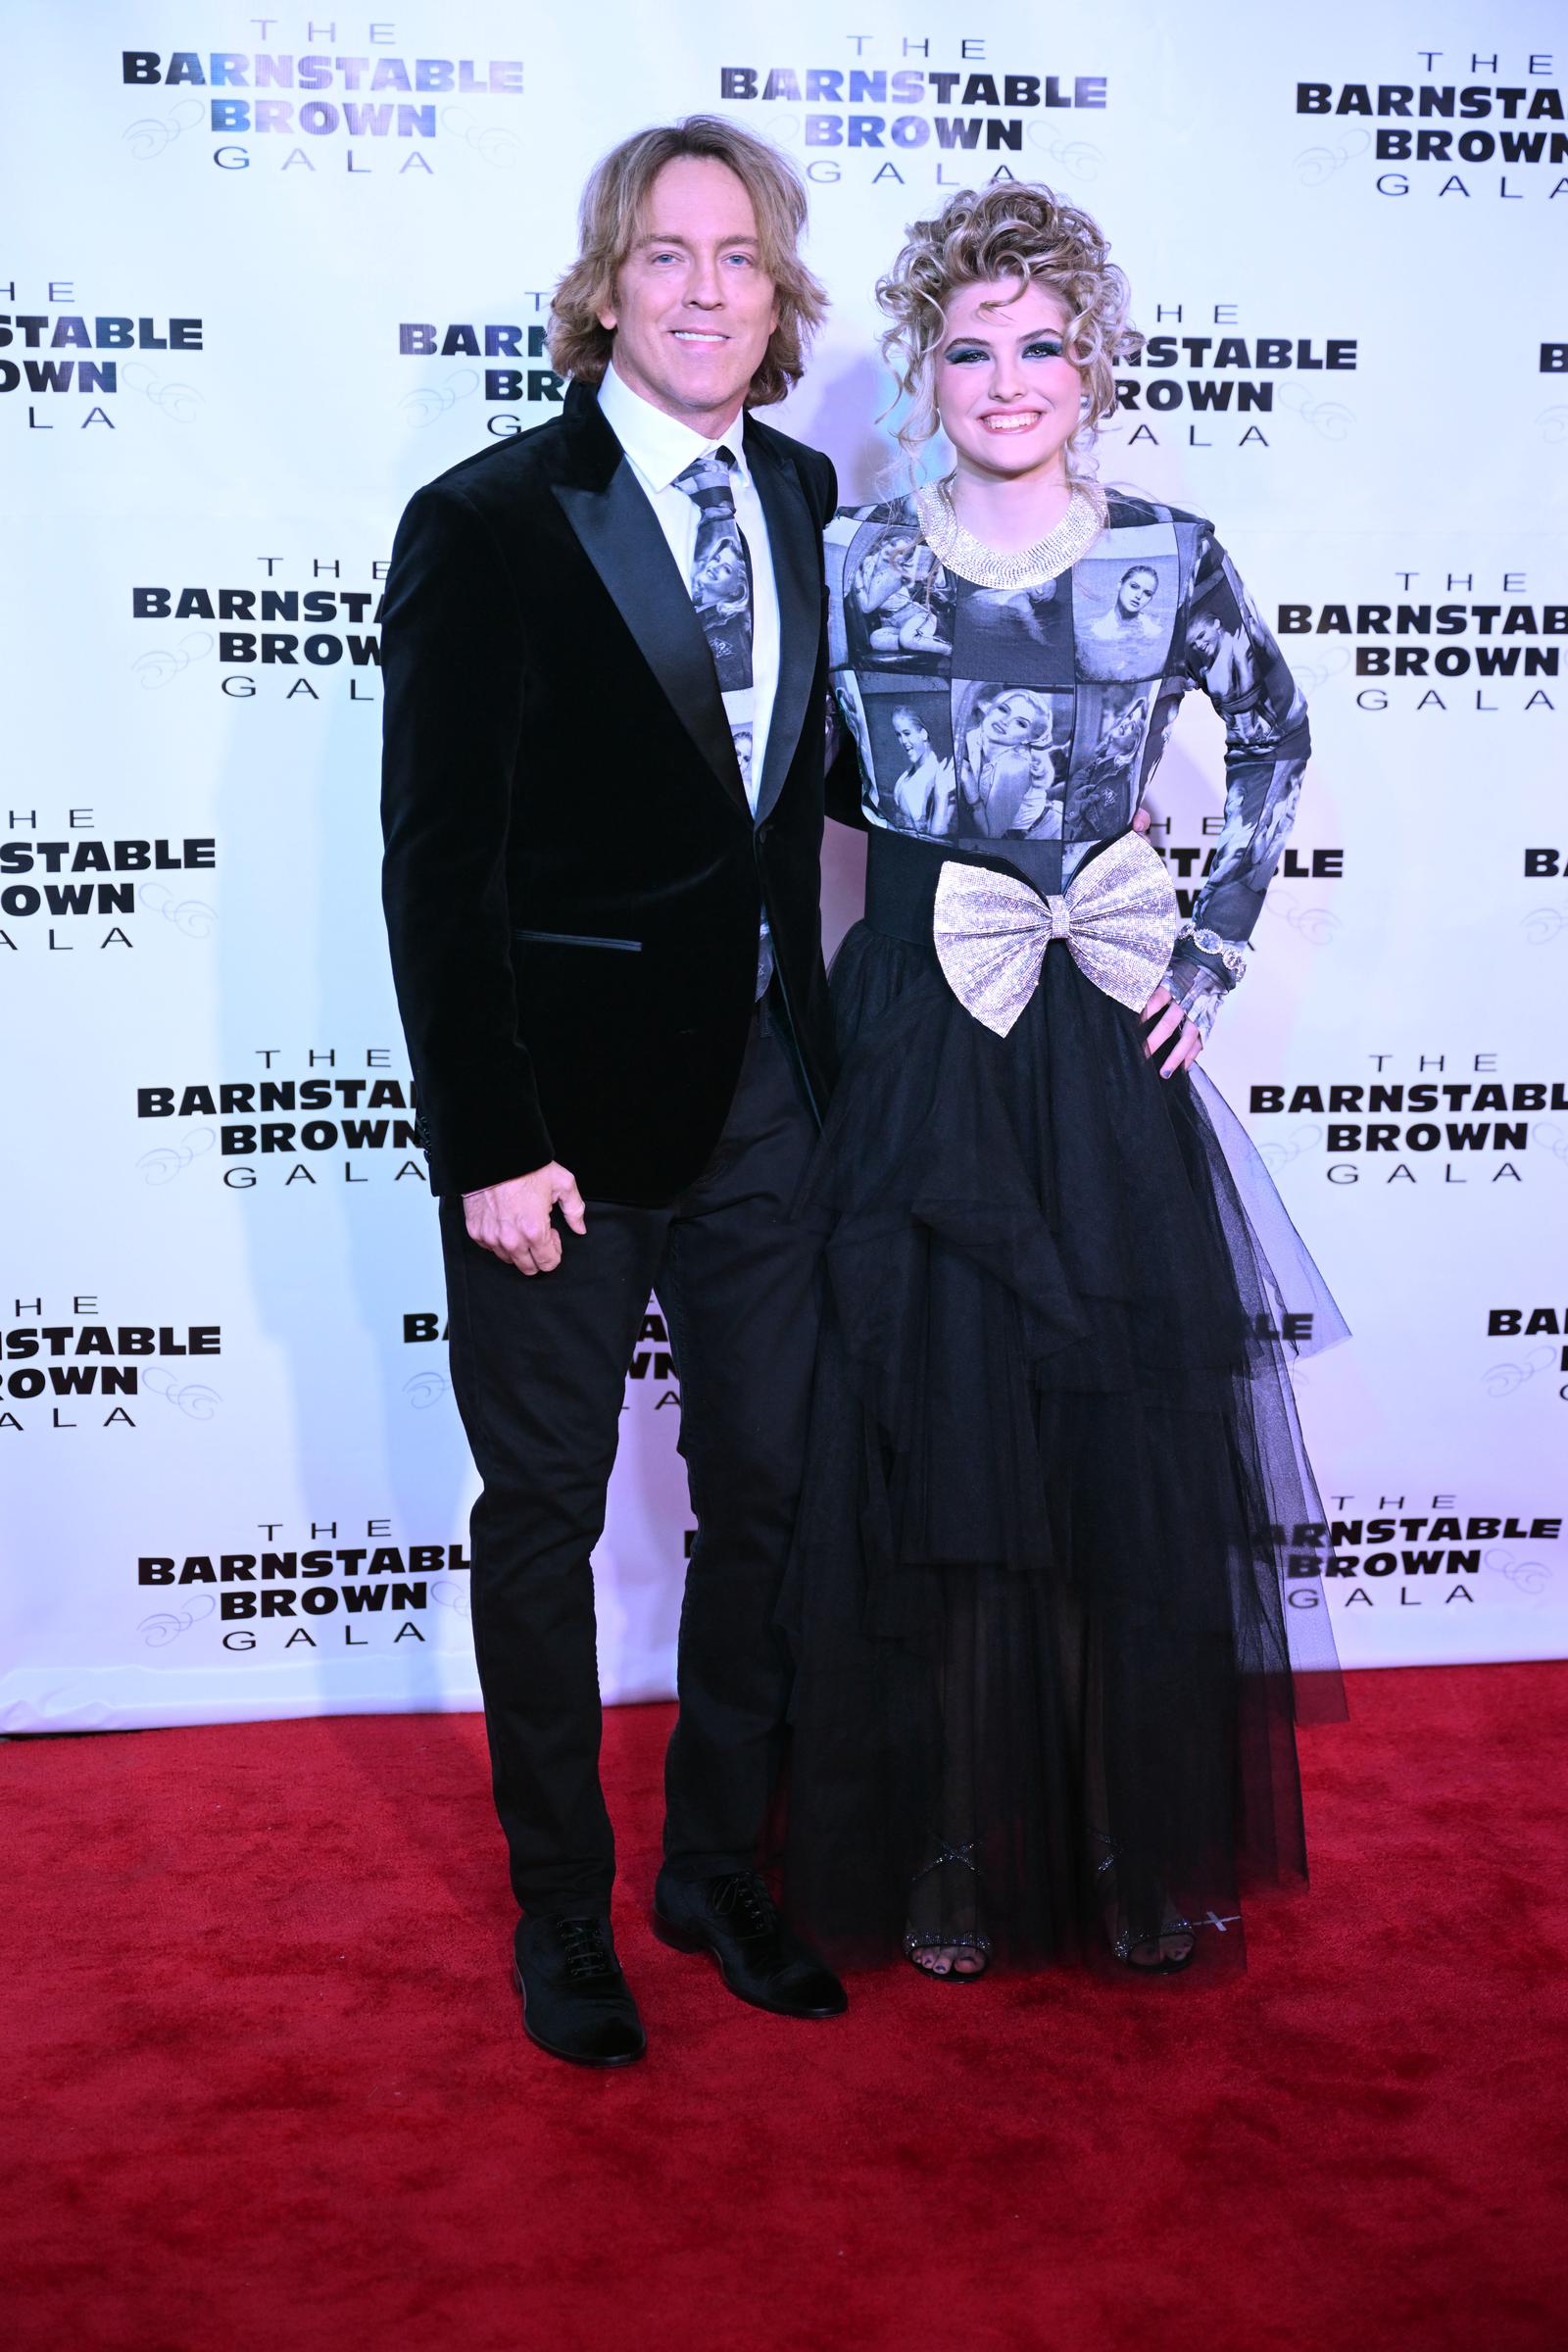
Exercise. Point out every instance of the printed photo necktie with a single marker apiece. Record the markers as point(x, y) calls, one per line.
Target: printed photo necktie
point(721, 591)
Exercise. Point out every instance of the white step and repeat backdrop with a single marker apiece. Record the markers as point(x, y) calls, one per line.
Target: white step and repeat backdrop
point(262, 276)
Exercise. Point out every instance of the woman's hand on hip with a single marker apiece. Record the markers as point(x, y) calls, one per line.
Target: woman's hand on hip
point(1190, 1042)
point(1169, 1021)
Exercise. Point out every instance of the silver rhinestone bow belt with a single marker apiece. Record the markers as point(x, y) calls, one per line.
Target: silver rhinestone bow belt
point(1118, 916)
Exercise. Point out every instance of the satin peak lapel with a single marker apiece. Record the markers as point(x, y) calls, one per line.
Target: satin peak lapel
point(619, 534)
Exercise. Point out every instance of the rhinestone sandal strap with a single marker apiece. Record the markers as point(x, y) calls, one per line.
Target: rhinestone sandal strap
point(960, 1855)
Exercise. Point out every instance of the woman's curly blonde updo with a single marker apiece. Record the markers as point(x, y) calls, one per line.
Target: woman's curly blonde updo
point(1007, 230)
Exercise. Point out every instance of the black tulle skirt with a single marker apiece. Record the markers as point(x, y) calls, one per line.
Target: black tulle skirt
point(1052, 1598)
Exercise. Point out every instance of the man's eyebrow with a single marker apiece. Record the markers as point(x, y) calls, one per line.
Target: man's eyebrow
point(656, 237)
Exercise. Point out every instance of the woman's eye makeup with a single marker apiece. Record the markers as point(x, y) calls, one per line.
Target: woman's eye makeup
point(1043, 347)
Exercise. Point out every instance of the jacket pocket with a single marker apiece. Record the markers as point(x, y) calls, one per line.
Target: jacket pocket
point(578, 939)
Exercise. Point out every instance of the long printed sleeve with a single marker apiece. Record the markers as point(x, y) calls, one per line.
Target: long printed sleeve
point(1231, 657)
point(841, 767)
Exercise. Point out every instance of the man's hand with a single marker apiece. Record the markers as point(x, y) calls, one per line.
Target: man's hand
point(512, 1219)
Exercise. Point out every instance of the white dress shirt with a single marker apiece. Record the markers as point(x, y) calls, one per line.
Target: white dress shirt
point(660, 448)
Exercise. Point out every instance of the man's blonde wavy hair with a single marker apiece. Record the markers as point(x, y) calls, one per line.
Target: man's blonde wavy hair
point(1009, 230)
point(613, 215)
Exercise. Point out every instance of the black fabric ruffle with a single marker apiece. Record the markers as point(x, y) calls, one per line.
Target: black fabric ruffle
point(1050, 1654)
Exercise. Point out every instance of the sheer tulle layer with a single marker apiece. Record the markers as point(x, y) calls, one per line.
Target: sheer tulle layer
point(1050, 1647)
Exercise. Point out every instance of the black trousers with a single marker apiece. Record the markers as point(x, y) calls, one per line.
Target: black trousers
point(539, 1366)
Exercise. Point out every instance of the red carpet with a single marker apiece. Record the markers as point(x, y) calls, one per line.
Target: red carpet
point(268, 2089)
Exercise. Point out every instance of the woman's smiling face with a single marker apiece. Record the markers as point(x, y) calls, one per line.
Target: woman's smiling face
point(1011, 720)
point(723, 572)
point(1007, 394)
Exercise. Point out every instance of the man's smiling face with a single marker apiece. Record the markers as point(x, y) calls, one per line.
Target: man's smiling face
point(694, 307)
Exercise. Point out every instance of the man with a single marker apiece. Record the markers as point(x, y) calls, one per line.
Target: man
point(612, 984)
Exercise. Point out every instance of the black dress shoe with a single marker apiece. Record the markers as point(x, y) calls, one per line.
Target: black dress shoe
point(735, 1919)
point(575, 2002)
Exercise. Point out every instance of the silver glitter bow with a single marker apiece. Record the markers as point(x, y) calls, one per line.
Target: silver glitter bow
point(1118, 916)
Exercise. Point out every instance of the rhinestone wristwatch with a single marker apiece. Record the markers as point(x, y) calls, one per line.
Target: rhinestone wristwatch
point(1232, 953)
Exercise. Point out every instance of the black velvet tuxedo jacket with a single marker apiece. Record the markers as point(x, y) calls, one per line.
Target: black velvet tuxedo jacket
point(574, 878)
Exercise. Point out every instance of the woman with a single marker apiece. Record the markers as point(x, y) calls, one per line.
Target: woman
point(1118, 641)
point(1046, 1702)
point(1007, 750)
point(894, 596)
point(923, 794)
point(1107, 789)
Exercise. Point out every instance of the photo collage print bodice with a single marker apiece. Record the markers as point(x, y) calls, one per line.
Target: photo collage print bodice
point(1026, 723)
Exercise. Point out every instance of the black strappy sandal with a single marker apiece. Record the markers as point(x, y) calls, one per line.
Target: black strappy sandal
point(1125, 1945)
point(940, 1939)
point(1162, 1963)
